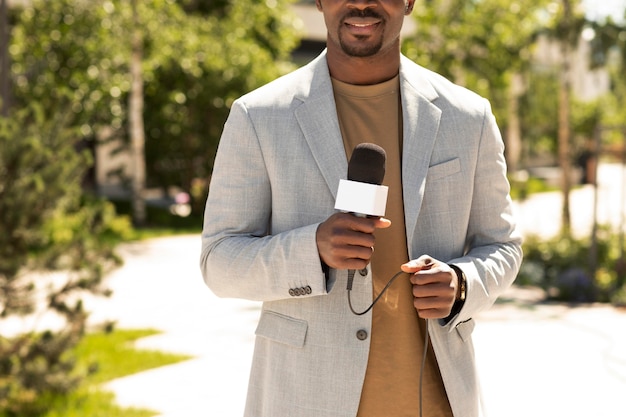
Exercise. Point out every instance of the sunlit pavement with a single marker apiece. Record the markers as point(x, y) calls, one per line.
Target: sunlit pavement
point(160, 287)
point(535, 359)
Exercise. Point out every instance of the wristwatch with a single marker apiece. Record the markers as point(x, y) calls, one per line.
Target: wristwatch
point(462, 282)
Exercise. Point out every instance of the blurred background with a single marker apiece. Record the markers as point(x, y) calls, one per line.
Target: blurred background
point(110, 115)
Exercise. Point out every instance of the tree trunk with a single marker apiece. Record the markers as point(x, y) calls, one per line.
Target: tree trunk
point(514, 129)
point(564, 134)
point(137, 134)
point(5, 75)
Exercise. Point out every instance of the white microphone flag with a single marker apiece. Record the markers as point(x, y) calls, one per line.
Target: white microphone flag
point(361, 198)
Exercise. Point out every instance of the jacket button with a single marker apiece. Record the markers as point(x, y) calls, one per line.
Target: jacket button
point(361, 334)
point(308, 290)
point(363, 272)
point(292, 292)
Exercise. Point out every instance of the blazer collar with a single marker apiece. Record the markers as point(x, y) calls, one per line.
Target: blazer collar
point(317, 117)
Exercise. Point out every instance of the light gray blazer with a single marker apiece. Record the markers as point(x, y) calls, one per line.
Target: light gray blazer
point(276, 174)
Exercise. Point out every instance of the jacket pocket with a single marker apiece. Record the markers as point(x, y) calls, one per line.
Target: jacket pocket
point(282, 328)
point(465, 329)
point(444, 169)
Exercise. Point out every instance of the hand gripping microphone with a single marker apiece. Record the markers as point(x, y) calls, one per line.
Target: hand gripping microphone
point(362, 194)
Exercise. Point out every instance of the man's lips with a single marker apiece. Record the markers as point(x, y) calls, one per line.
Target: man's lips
point(361, 26)
point(361, 23)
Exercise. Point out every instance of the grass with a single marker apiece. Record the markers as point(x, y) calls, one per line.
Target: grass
point(115, 356)
point(159, 222)
point(145, 233)
point(521, 190)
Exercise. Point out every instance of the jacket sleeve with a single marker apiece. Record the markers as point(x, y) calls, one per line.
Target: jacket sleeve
point(493, 245)
point(240, 257)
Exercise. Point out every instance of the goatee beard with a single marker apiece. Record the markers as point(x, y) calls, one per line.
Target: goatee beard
point(361, 51)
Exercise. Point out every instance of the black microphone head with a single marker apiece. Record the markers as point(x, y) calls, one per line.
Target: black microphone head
point(367, 164)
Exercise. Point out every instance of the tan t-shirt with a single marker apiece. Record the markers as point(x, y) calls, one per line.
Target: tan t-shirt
point(372, 113)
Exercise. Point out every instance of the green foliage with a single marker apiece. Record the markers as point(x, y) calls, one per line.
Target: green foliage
point(486, 37)
point(565, 21)
point(477, 43)
point(481, 43)
point(521, 188)
point(46, 224)
point(586, 116)
point(197, 59)
point(90, 403)
point(562, 267)
point(195, 66)
point(69, 51)
point(34, 367)
point(540, 111)
point(71, 57)
point(160, 218)
point(102, 356)
point(614, 105)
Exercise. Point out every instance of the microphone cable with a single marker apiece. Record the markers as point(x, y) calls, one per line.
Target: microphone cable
point(421, 383)
point(349, 288)
point(426, 335)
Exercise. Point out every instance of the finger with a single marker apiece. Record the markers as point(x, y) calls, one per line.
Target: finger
point(437, 289)
point(352, 263)
point(429, 276)
point(433, 313)
point(364, 224)
point(345, 241)
point(432, 307)
point(356, 252)
point(424, 262)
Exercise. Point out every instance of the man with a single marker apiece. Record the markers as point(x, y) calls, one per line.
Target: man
point(271, 233)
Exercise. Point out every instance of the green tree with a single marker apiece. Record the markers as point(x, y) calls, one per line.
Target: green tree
point(69, 50)
point(569, 22)
point(485, 45)
point(4, 59)
point(196, 61)
point(46, 225)
point(135, 119)
point(608, 43)
point(196, 64)
point(566, 26)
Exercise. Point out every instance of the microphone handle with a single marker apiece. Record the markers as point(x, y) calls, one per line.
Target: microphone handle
point(350, 279)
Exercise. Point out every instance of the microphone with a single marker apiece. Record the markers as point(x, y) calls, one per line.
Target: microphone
point(362, 194)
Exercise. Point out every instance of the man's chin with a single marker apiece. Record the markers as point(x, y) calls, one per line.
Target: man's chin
point(360, 51)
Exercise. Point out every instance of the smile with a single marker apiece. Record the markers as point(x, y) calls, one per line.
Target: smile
point(360, 22)
point(362, 26)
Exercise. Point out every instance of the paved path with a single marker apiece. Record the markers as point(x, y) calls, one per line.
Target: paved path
point(540, 214)
point(535, 359)
point(160, 287)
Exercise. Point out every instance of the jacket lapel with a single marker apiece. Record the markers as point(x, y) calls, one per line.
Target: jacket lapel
point(421, 120)
point(317, 117)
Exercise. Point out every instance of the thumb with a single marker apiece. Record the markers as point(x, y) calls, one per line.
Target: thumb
point(383, 223)
point(424, 262)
